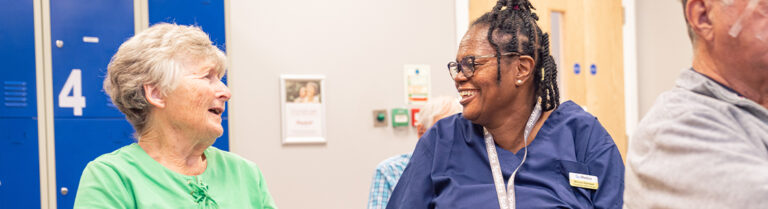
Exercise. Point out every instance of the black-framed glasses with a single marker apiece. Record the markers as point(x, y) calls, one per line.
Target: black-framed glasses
point(467, 64)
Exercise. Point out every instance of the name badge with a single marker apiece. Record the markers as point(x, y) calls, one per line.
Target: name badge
point(583, 180)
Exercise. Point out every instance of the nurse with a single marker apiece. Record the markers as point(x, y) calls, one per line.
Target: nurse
point(514, 146)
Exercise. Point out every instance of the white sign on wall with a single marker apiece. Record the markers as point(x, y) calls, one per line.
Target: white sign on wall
point(417, 82)
point(303, 108)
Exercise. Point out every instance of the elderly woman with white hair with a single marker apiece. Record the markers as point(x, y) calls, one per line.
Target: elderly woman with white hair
point(167, 81)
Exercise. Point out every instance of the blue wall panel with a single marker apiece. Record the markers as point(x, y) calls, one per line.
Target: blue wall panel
point(19, 162)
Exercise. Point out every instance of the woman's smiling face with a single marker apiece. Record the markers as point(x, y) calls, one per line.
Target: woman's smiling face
point(483, 95)
point(199, 100)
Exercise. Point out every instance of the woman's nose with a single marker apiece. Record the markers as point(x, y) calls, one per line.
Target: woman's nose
point(459, 76)
point(223, 92)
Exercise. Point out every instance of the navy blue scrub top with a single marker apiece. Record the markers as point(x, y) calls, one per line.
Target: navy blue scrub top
point(450, 169)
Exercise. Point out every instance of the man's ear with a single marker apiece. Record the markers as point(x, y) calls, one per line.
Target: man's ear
point(697, 12)
point(524, 69)
point(154, 96)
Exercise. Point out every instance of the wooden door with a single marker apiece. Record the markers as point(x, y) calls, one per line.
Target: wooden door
point(584, 32)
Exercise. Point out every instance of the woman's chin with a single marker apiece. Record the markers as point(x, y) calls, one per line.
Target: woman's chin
point(471, 116)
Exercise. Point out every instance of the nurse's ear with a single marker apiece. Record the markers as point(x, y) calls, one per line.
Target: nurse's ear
point(154, 96)
point(525, 65)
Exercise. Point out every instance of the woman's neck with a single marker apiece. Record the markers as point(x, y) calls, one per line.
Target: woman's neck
point(508, 133)
point(175, 151)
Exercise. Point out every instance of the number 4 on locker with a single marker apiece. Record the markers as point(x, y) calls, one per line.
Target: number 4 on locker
point(74, 84)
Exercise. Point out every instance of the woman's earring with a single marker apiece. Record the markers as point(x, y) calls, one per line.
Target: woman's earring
point(519, 82)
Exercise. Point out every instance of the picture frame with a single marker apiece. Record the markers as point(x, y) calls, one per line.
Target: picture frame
point(302, 99)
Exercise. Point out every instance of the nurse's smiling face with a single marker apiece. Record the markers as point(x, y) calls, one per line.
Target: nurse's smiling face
point(482, 95)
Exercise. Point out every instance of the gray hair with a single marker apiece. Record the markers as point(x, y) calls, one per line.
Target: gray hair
point(156, 57)
point(438, 108)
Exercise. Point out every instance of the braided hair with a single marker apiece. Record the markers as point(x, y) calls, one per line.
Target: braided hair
point(516, 18)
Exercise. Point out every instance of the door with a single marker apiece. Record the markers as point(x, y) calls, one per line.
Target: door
point(19, 161)
point(84, 36)
point(586, 41)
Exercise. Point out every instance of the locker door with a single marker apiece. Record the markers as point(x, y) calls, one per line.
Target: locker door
point(84, 36)
point(209, 15)
point(19, 163)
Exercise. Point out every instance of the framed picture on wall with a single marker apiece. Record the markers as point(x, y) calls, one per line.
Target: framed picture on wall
point(303, 108)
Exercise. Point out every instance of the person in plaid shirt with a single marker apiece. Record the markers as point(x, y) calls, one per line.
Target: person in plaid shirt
point(389, 170)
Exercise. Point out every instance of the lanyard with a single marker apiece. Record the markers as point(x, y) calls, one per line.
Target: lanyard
point(506, 195)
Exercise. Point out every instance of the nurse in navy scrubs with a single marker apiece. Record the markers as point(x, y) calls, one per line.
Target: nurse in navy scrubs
point(514, 145)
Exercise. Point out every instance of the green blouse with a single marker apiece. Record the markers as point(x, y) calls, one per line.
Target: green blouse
point(129, 178)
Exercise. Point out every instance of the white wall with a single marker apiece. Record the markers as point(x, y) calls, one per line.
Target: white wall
point(663, 48)
point(361, 47)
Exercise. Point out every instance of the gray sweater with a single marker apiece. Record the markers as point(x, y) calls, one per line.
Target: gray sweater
point(700, 146)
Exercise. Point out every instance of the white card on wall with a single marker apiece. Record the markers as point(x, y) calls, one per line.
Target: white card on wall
point(417, 83)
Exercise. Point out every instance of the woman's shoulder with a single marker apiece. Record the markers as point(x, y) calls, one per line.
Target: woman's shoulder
point(126, 161)
point(124, 155)
point(228, 159)
point(452, 123)
point(574, 118)
point(570, 112)
point(448, 131)
point(585, 128)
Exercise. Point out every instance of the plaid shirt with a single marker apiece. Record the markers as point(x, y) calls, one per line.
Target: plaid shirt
point(385, 179)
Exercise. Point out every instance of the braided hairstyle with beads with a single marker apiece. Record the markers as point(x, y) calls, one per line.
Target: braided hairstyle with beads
point(516, 18)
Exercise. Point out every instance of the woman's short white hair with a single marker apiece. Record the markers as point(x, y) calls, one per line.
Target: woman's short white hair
point(156, 57)
point(438, 108)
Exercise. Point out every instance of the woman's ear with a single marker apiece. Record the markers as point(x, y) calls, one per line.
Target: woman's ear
point(524, 69)
point(154, 96)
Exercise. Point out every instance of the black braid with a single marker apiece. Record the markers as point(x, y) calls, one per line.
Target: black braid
point(516, 18)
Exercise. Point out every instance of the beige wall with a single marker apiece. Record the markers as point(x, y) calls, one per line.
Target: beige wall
point(663, 48)
point(361, 47)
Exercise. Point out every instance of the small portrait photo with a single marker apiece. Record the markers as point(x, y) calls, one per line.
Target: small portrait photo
point(302, 91)
point(303, 108)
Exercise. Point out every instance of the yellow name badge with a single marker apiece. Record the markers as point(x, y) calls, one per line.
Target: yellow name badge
point(583, 180)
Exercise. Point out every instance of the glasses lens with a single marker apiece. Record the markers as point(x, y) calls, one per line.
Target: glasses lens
point(453, 68)
point(468, 66)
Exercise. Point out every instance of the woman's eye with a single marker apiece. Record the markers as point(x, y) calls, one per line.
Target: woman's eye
point(212, 76)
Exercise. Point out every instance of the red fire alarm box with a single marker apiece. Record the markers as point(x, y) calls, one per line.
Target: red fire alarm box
point(414, 112)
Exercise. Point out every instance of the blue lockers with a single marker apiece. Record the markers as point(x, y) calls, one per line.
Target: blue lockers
point(208, 14)
point(19, 163)
point(86, 123)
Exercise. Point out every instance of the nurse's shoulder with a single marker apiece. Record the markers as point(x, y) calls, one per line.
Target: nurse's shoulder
point(585, 129)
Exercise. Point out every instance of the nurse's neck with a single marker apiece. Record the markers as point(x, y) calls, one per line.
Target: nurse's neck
point(508, 129)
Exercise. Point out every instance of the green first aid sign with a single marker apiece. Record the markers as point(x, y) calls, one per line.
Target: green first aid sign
point(400, 117)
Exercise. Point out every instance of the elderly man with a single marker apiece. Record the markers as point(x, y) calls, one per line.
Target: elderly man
point(390, 170)
point(704, 144)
